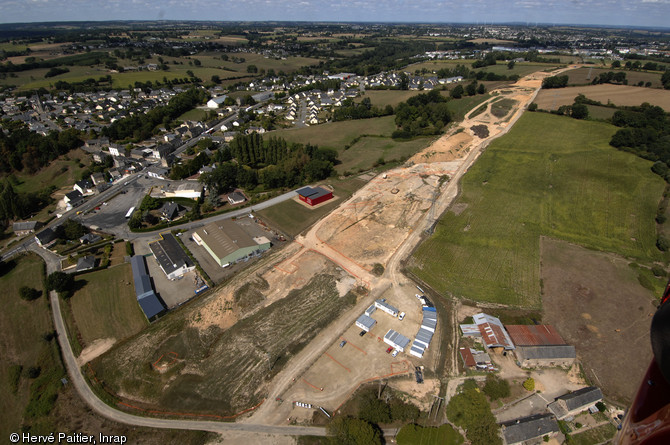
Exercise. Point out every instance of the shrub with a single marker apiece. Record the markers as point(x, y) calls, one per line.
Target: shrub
point(601, 407)
point(33, 372)
point(496, 388)
point(529, 384)
point(378, 269)
point(662, 243)
point(658, 271)
point(29, 294)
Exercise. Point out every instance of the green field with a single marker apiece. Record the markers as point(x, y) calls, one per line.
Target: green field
point(230, 366)
point(595, 436)
point(62, 172)
point(22, 326)
point(416, 434)
point(552, 176)
point(368, 150)
point(106, 306)
point(460, 107)
point(338, 134)
point(195, 114)
point(382, 98)
point(292, 218)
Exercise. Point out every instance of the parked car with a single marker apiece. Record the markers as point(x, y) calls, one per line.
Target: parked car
point(342, 343)
point(389, 349)
point(401, 316)
point(394, 353)
point(362, 333)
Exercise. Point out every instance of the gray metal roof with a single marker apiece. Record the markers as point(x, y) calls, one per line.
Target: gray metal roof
point(151, 305)
point(424, 335)
point(582, 397)
point(397, 338)
point(25, 225)
point(366, 321)
point(430, 315)
point(46, 236)
point(429, 323)
point(526, 428)
point(146, 296)
point(546, 352)
point(383, 304)
point(85, 263)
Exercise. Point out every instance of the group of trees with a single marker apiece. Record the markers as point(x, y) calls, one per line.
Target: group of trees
point(471, 411)
point(363, 110)
point(555, 82)
point(471, 89)
point(618, 77)
point(424, 114)
point(25, 150)
point(141, 126)
point(645, 131)
point(272, 164)
point(15, 205)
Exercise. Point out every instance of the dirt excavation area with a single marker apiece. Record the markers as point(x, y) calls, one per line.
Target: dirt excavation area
point(597, 305)
point(273, 334)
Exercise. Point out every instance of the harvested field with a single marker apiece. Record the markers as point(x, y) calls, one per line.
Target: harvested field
point(218, 370)
point(599, 287)
point(550, 175)
point(585, 75)
point(620, 95)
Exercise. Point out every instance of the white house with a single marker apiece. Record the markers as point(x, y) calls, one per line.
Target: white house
point(384, 306)
point(215, 102)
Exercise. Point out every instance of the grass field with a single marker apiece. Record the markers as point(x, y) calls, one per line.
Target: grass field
point(601, 113)
point(584, 76)
point(521, 68)
point(22, 325)
point(106, 306)
point(620, 95)
point(595, 436)
point(195, 114)
point(368, 150)
point(338, 134)
point(62, 172)
point(460, 107)
point(382, 98)
point(220, 372)
point(292, 218)
point(551, 176)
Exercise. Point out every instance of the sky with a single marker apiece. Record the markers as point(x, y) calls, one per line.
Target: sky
point(654, 13)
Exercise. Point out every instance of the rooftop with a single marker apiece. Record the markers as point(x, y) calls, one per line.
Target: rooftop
point(225, 237)
point(534, 335)
point(526, 428)
point(312, 192)
point(169, 254)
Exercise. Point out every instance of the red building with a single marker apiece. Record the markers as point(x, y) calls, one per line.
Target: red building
point(314, 196)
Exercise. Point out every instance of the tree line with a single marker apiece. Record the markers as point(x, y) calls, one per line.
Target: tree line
point(363, 110)
point(250, 161)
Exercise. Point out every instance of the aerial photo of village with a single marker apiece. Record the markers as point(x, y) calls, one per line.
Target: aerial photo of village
point(326, 224)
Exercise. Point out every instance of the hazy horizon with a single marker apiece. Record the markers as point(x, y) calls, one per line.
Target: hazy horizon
point(640, 13)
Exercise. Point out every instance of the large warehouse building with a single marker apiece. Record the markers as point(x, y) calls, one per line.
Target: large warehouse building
point(227, 242)
point(314, 196)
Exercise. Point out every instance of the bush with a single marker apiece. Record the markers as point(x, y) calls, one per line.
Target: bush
point(378, 269)
point(529, 384)
point(658, 271)
point(496, 388)
point(601, 407)
point(33, 372)
point(662, 243)
point(29, 294)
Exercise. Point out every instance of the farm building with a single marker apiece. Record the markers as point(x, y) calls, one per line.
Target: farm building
point(575, 402)
point(146, 297)
point(384, 306)
point(236, 198)
point(314, 196)
point(369, 311)
point(545, 355)
point(528, 428)
point(534, 335)
point(491, 331)
point(171, 258)
point(227, 242)
point(185, 190)
point(21, 228)
point(396, 340)
point(475, 359)
point(366, 323)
